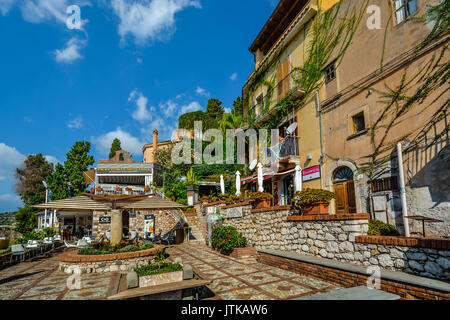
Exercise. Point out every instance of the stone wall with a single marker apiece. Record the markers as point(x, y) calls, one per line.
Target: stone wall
point(164, 221)
point(334, 237)
point(71, 262)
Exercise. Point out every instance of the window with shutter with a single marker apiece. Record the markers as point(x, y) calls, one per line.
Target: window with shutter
point(283, 79)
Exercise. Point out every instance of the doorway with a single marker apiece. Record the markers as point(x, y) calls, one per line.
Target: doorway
point(344, 187)
point(126, 224)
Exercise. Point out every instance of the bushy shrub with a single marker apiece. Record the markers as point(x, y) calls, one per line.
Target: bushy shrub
point(257, 196)
point(227, 238)
point(157, 268)
point(106, 247)
point(310, 196)
point(379, 228)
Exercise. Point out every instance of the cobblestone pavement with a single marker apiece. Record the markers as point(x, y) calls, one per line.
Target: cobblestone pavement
point(246, 279)
point(39, 279)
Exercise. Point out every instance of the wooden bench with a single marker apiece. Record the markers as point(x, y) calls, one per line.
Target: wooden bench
point(163, 288)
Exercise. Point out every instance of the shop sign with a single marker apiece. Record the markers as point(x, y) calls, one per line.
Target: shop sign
point(104, 220)
point(311, 173)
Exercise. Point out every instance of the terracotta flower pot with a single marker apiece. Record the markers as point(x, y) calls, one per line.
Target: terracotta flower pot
point(259, 204)
point(316, 208)
point(146, 189)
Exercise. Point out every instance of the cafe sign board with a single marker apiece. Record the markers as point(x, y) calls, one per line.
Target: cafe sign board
point(311, 173)
point(104, 220)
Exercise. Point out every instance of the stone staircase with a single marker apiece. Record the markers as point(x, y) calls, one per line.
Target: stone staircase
point(196, 233)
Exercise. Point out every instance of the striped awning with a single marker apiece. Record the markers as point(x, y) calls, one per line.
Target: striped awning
point(81, 203)
point(152, 203)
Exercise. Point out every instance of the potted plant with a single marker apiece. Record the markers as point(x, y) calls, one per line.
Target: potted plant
point(260, 199)
point(119, 189)
point(227, 240)
point(128, 190)
point(99, 189)
point(314, 201)
point(147, 189)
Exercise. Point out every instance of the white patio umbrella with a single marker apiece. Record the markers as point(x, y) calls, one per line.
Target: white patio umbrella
point(222, 184)
point(238, 183)
point(260, 178)
point(298, 178)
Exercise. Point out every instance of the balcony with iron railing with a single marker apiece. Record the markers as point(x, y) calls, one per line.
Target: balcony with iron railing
point(263, 110)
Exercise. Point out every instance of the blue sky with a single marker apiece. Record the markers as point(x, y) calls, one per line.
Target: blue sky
point(133, 66)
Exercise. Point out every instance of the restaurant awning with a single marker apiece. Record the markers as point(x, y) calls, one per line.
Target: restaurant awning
point(81, 203)
point(152, 203)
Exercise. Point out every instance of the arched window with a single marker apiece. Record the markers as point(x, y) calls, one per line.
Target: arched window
point(344, 173)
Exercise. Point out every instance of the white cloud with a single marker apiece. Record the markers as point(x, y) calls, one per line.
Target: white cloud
point(191, 107)
point(52, 159)
point(9, 202)
point(149, 19)
point(202, 92)
point(6, 5)
point(139, 60)
point(10, 159)
point(71, 52)
point(38, 11)
point(141, 114)
point(168, 108)
point(130, 143)
point(76, 123)
point(227, 110)
point(233, 76)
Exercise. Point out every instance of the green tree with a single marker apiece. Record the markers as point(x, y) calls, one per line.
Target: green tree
point(30, 175)
point(25, 220)
point(116, 146)
point(230, 121)
point(58, 184)
point(214, 109)
point(186, 121)
point(238, 107)
point(78, 161)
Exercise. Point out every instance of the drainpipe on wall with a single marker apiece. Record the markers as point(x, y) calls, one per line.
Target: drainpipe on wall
point(402, 188)
point(319, 110)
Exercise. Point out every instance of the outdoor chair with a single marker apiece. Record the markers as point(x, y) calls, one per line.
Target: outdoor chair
point(108, 235)
point(87, 239)
point(82, 243)
point(17, 250)
point(69, 245)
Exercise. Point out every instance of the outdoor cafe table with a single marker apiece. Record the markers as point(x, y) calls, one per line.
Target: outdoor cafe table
point(423, 219)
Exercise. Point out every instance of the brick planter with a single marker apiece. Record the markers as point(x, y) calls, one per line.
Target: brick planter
point(316, 208)
point(247, 252)
point(163, 278)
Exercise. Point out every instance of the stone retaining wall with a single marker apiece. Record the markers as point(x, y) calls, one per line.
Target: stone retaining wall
point(72, 262)
point(334, 237)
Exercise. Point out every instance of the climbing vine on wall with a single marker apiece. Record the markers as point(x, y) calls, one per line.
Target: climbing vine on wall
point(331, 35)
point(416, 88)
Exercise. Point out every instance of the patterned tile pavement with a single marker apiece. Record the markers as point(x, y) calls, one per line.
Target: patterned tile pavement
point(232, 279)
point(39, 279)
point(246, 279)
